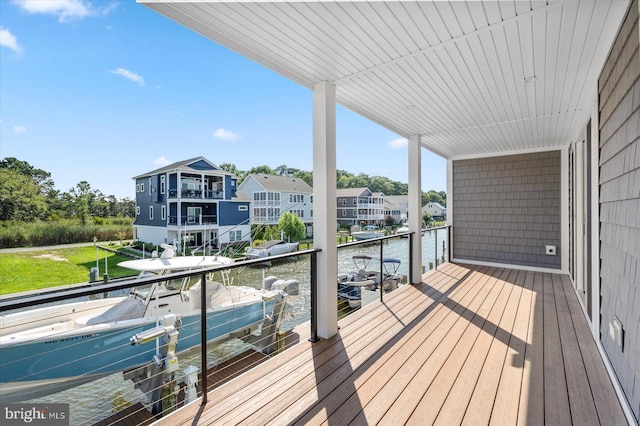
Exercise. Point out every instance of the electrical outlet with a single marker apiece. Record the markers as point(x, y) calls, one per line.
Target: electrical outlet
point(550, 250)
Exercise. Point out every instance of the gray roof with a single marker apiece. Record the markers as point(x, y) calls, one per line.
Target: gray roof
point(397, 199)
point(276, 183)
point(183, 166)
point(352, 192)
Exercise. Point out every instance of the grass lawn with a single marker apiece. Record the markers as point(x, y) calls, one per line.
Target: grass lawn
point(40, 269)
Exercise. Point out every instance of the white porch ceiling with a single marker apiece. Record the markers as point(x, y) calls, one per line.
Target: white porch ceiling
point(473, 78)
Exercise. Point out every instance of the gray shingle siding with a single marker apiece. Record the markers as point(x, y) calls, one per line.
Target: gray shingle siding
point(507, 209)
point(619, 172)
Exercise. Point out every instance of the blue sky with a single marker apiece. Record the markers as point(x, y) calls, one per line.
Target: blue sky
point(105, 90)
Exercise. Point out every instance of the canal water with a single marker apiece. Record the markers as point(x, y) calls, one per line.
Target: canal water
point(94, 401)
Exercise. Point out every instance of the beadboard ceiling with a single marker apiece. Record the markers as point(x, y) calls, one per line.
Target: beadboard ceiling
point(473, 78)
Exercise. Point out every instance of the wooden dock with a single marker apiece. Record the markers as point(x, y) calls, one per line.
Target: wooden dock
point(470, 345)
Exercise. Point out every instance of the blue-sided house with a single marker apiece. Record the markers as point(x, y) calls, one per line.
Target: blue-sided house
point(190, 203)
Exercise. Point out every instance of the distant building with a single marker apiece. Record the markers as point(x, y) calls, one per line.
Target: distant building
point(360, 206)
point(397, 206)
point(191, 203)
point(436, 210)
point(273, 195)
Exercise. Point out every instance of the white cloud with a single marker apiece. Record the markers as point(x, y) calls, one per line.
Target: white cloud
point(65, 10)
point(9, 40)
point(398, 143)
point(129, 75)
point(19, 129)
point(226, 135)
point(161, 161)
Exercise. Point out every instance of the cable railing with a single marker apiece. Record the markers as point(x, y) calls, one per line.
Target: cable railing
point(153, 341)
point(59, 346)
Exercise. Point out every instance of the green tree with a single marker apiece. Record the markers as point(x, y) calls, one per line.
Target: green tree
point(292, 226)
point(21, 197)
point(426, 218)
point(39, 176)
point(266, 170)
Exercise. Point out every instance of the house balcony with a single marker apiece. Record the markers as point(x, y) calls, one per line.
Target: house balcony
point(370, 217)
point(192, 220)
point(195, 194)
point(469, 345)
point(371, 206)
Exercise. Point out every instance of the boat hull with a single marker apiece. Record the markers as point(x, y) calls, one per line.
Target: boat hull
point(66, 359)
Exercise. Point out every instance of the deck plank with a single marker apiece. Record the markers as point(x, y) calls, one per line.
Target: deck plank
point(607, 404)
point(481, 403)
point(531, 406)
point(505, 407)
point(481, 324)
point(556, 398)
point(429, 356)
point(583, 410)
point(473, 345)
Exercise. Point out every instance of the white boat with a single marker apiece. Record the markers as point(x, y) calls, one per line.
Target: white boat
point(369, 232)
point(403, 229)
point(49, 349)
point(361, 286)
point(271, 248)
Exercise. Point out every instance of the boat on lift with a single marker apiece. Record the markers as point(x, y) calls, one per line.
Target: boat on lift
point(52, 348)
point(362, 285)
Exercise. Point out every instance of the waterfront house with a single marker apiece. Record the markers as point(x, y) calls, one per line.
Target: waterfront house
point(272, 195)
point(535, 106)
point(359, 206)
point(436, 210)
point(397, 206)
point(191, 203)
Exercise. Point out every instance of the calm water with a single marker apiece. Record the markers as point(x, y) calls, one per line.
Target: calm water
point(99, 399)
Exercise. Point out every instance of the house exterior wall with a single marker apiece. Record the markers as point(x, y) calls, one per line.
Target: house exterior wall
point(347, 210)
point(507, 209)
point(147, 196)
point(303, 208)
point(619, 200)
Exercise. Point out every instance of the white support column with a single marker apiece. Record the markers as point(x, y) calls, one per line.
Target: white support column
point(325, 206)
point(415, 206)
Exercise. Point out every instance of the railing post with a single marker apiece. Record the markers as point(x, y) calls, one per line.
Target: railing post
point(314, 298)
point(381, 271)
point(448, 243)
point(411, 258)
point(203, 337)
point(435, 253)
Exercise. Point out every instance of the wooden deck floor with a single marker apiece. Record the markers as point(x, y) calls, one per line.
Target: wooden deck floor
point(470, 345)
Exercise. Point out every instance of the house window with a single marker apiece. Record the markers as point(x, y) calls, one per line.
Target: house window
point(151, 212)
point(354, 201)
point(150, 186)
point(235, 236)
point(162, 184)
point(138, 188)
point(296, 198)
point(344, 213)
point(142, 187)
point(163, 212)
point(137, 210)
point(311, 198)
point(243, 208)
point(343, 202)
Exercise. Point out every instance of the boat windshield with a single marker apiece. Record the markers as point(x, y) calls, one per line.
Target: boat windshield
point(161, 289)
